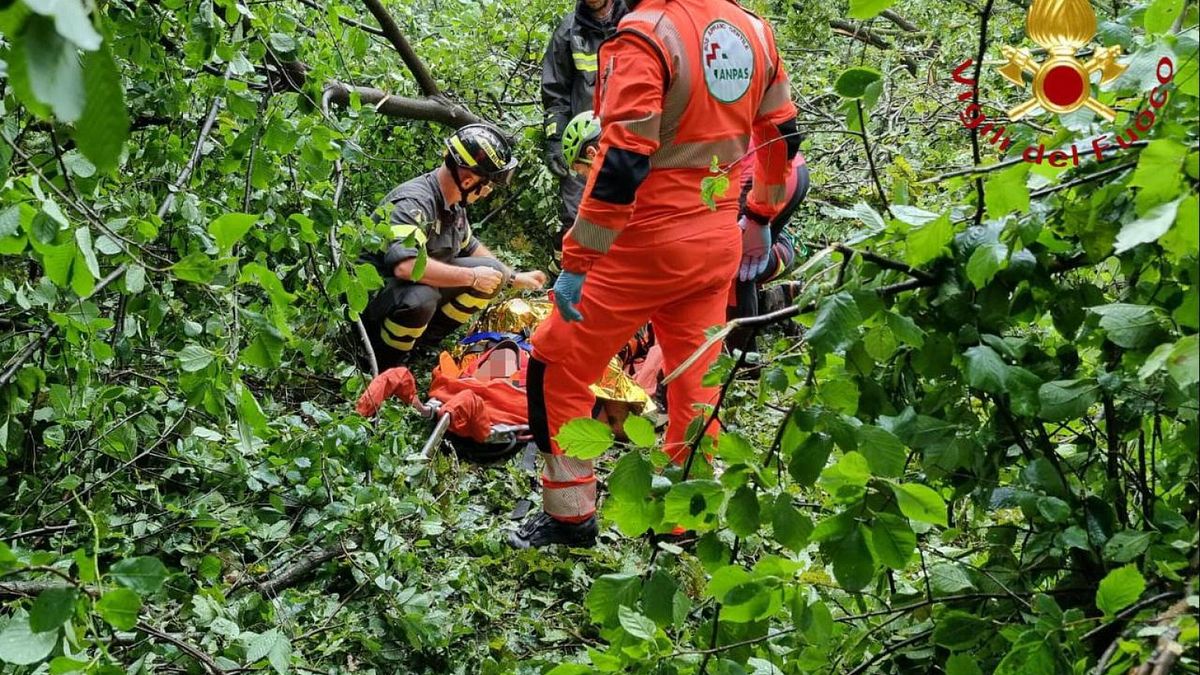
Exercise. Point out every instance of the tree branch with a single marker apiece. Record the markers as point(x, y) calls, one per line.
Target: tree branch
point(434, 109)
point(204, 659)
point(392, 32)
point(980, 202)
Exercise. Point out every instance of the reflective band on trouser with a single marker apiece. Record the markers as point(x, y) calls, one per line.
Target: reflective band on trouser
point(400, 337)
point(463, 306)
point(699, 155)
point(462, 151)
point(585, 62)
point(568, 488)
point(593, 236)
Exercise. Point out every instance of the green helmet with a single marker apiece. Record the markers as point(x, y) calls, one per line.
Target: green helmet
point(582, 130)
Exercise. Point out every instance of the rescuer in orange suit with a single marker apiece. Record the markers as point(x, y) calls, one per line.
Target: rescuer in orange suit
point(682, 82)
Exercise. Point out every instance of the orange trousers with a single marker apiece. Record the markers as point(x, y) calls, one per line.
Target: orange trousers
point(677, 279)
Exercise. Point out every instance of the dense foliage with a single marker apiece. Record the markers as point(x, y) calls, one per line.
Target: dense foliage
point(975, 450)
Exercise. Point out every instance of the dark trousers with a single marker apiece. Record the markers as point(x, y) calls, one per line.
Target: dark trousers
point(570, 193)
point(404, 315)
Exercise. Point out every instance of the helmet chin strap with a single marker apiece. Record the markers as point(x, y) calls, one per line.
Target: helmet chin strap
point(463, 192)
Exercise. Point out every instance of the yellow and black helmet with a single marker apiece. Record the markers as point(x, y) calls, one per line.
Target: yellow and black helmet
point(484, 150)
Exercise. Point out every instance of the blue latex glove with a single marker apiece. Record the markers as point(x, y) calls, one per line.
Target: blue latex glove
point(756, 249)
point(568, 291)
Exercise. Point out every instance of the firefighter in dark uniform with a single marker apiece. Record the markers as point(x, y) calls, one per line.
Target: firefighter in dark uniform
point(461, 275)
point(568, 81)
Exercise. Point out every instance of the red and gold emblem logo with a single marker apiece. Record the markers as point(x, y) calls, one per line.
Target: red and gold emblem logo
point(1061, 83)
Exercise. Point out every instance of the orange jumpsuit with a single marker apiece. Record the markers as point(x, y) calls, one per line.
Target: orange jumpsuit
point(681, 83)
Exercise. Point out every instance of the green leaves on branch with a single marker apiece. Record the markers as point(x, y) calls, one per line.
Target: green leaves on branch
point(1120, 589)
point(584, 438)
point(59, 69)
point(853, 82)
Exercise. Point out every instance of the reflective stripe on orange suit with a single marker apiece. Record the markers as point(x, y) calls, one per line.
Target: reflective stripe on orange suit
point(664, 256)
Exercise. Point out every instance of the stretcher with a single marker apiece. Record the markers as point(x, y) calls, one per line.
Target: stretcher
point(476, 398)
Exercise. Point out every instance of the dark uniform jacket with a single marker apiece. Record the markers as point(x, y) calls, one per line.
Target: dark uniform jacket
point(569, 67)
point(418, 209)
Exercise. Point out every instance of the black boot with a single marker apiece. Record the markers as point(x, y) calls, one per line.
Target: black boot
point(542, 529)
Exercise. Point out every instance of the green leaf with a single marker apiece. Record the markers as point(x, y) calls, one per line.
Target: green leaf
point(1183, 240)
point(694, 504)
point(21, 646)
point(1160, 15)
point(962, 664)
point(104, 127)
point(55, 75)
point(636, 624)
point(52, 608)
point(846, 480)
point(1006, 192)
point(735, 449)
point(584, 438)
point(742, 513)
point(1120, 589)
point(70, 20)
point(143, 574)
point(1148, 228)
point(791, 528)
point(1066, 399)
point(834, 327)
point(196, 267)
point(269, 281)
point(905, 328)
point(853, 82)
point(891, 540)
point(273, 646)
point(119, 607)
point(83, 241)
point(229, 229)
point(853, 564)
point(194, 357)
point(929, 241)
point(1183, 363)
point(866, 9)
point(1054, 509)
point(1158, 169)
point(885, 453)
point(809, 460)
point(629, 505)
point(986, 370)
point(958, 630)
point(608, 594)
point(986, 260)
point(57, 261)
point(920, 503)
point(1029, 656)
point(1126, 546)
point(948, 579)
point(713, 188)
point(641, 431)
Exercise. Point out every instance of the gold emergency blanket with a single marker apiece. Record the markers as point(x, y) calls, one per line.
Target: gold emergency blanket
point(523, 316)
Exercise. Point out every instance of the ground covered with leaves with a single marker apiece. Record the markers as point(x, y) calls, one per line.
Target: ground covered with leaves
point(970, 446)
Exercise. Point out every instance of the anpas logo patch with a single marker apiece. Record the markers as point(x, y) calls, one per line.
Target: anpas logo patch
point(728, 61)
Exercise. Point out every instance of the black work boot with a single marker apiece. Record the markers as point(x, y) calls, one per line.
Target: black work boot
point(542, 529)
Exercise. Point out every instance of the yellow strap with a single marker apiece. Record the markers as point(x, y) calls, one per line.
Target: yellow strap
point(469, 300)
point(406, 231)
point(402, 331)
point(585, 62)
point(462, 151)
point(404, 345)
point(455, 313)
